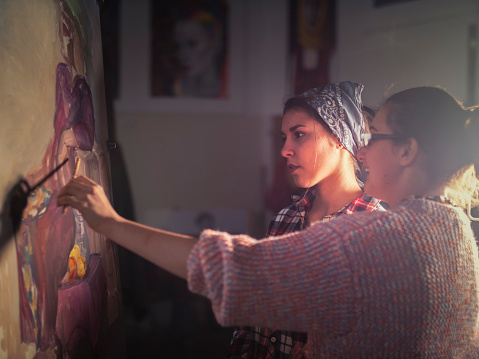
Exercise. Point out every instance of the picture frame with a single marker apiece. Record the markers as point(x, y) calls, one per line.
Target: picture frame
point(189, 48)
point(137, 70)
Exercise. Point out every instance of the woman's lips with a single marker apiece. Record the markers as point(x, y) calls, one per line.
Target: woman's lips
point(292, 168)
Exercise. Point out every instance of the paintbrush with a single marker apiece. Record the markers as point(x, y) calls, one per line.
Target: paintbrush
point(77, 167)
point(17, 199)
point(75, 173)
point(47, 176)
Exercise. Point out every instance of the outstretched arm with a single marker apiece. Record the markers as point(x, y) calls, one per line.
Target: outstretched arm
point(168, 250)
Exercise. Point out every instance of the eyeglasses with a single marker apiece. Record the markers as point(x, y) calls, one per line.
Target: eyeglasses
point(368, 137)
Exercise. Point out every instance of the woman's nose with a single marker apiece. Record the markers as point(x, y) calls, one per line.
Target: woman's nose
point(361, 154)
point(286, 151)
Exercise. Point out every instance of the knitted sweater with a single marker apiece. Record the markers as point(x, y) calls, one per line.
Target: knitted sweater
point(396, 284)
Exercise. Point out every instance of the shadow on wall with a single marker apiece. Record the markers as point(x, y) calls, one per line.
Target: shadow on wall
point(11, 212)
point(15, 202)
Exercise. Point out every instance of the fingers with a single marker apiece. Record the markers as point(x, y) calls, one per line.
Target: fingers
point(77, 185)
point(75, 191)
point(69, 201)
point(89, 199)
point(86, 181)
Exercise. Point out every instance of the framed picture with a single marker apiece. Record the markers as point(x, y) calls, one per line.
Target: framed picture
point(190, 48)
point(312, 37)
point(150, 69)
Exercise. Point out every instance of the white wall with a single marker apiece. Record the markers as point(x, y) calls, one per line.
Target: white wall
point(415, 43)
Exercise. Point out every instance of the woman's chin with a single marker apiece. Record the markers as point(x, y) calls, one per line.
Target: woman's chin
point(302, 184)
point(370, 190)
point(375, 193)
point(302, 181)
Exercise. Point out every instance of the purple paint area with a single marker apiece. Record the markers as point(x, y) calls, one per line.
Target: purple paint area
point(74, 107)
point(80, 306)
point(42, 248)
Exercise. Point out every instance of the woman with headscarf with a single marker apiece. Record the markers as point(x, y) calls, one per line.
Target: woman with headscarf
point(321, 132)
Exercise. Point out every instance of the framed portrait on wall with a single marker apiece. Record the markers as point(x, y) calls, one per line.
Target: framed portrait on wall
point(190, 49)
point(312, 42)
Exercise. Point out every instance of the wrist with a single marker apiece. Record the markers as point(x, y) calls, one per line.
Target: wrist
point(110, 225)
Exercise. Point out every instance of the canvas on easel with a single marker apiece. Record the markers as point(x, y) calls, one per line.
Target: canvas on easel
point(59, 279)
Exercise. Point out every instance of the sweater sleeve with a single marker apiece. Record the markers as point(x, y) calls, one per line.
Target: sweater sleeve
point(300, 281)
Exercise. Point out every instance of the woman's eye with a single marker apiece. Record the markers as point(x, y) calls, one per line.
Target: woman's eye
point(283, 139)
point(298, 134)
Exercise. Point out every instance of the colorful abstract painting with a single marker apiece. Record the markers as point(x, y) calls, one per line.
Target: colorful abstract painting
point(58, 278)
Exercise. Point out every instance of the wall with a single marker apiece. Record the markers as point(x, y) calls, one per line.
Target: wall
point(414, 43)
point(193, 154)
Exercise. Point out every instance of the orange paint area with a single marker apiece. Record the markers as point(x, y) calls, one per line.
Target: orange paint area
point(76, 264)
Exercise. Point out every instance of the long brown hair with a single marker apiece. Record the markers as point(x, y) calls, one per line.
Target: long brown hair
point(446, 131)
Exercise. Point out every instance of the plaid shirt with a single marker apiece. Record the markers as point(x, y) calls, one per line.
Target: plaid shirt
point(266, 343)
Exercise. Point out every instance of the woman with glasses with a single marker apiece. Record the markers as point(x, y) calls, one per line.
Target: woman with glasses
point(402, 283)
point(321, 133)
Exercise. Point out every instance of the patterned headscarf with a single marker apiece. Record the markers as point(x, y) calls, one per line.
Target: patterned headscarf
point(339, 105)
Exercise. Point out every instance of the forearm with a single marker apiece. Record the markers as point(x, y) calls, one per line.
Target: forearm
point(168, 250)
point(277, 282)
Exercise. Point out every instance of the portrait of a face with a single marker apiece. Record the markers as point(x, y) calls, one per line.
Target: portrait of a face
point(189, 50)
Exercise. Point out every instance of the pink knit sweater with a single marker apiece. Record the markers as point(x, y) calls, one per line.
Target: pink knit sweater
point(396, 284)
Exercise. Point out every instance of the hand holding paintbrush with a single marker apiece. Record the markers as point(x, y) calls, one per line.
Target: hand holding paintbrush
point(89, 198)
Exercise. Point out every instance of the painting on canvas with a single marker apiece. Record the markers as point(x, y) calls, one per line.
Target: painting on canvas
point(58, 279)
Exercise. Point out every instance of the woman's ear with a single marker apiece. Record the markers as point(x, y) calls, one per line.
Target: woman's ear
point(337, 143)
point(408, 151)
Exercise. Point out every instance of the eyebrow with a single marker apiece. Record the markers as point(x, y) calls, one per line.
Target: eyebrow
point(372, 128)
point(294, 128)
